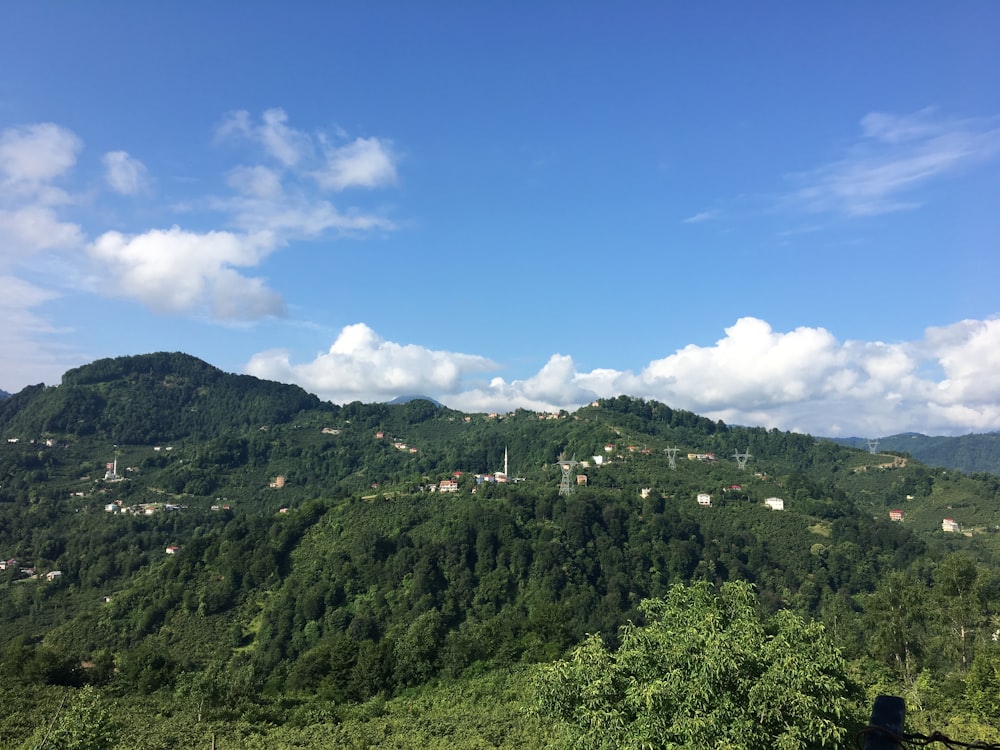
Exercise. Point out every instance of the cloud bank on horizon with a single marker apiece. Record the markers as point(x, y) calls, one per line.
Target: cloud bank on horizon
point(803, 379)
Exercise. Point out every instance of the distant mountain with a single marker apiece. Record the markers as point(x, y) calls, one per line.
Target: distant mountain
point(407, 399)
point(4, 394)
point(969, 453)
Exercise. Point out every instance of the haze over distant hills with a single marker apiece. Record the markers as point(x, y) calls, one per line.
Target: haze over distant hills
point(968, 453)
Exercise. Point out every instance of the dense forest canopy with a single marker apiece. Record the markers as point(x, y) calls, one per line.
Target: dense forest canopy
point(281, 572)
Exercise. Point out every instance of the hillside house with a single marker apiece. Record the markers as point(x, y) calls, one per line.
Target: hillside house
point(775, 503)
point(949, 524)
point(581, 479)
point(704, 499)
point(448, 485)
point(895, 515)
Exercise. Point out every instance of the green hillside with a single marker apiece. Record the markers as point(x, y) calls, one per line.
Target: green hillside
point(968, 453)
point(277, 571)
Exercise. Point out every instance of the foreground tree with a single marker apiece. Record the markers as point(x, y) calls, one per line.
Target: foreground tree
point(705, 672)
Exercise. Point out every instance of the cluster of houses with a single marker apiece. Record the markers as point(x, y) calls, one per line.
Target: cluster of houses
point(27, 571)
point(142, 509)
point(774, 503)
point(947, 524)
point(397, 443)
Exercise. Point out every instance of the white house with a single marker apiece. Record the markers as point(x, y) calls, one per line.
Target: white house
point(705, 499)
point(949, 524)
point(775, 503)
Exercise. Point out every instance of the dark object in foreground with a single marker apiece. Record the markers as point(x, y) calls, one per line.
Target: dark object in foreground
point(886, 726)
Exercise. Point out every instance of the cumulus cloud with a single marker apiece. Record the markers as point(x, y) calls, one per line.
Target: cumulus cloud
point(362, 366)
point(33, 158)
point(285, 195)
point(894, 156)
point(285, 144)
point(362, 162)
point(365, 162)
point(27, 229)
point(35, 154)
point(804, 380)
point(176, 271)
point(124, 173)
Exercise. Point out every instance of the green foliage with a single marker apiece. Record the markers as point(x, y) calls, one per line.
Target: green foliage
point(85, 724)
point(704, 672)
point(368, 588)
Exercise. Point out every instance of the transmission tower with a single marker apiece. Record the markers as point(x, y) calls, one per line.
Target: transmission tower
point(873, 445)
point(567, 483)
point(672, 456)
point(742, 458)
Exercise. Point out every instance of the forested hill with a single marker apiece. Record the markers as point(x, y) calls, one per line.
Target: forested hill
point(198, 546)
point(968, 453)
point(152, 398)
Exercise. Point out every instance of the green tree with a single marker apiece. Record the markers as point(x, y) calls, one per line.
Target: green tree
point(958, 594)
point(705, 672)
point(85, 725)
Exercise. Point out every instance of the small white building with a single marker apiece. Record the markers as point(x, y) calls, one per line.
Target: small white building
point(775, 503)
point(705, 499)
point(949, 524)
point(54, 575)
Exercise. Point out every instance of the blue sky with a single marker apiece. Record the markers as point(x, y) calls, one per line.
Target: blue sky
point(772, 214)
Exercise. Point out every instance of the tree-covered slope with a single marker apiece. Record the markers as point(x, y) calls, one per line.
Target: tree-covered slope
point(969, 453)
point(261, 554)
point(149, 399)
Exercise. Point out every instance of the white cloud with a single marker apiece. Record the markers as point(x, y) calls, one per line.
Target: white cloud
point(283, 197)
point(804, 380)
point(124, 173)
point(32, 228)
point(701, 216)
point(894, 157)
point(365, 162)
point(288, 145)
point(175, 271)
point(361, 366)
point(32, 157)
point(35, 154)
point(30, 355)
